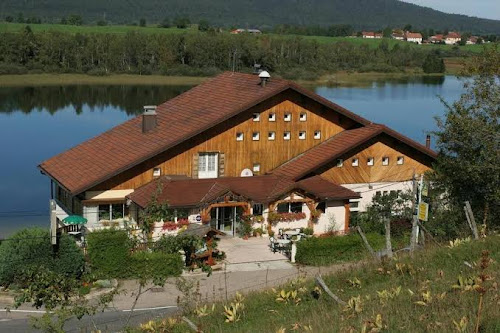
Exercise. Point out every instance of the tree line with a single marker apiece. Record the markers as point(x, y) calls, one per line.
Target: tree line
point(197, 54)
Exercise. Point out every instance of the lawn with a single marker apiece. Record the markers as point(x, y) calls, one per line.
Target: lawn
point(419, 294)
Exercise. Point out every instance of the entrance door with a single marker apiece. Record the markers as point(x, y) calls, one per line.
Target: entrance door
point(208, 164)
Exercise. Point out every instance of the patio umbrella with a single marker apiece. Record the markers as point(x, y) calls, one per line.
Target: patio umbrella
point(75, 219)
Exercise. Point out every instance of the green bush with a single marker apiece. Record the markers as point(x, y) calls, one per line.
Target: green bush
point(155, 265)
point(318, 251)
point(31, 248)
point(109, 252)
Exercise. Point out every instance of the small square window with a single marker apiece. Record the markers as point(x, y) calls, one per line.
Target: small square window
point(385, 160)
point(355, 162)
point(288, 117)
point(255, 136)
point(239, 136)
point(303, 116)
point(286, 136)
point(370, 161)
point(256, 117)
point(340, 163)
point(302, 135)
point(317, 135)
point(272, 116)
point(401, 160)
point(256, 167)
point(271, 136)
point(156, 172)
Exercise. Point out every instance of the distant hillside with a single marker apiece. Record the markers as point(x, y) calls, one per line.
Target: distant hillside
point(361, 14)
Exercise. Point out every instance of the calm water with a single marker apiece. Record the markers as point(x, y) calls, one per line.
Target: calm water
point(37, 123)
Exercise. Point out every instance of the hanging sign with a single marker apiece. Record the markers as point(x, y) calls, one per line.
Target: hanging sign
point(425, 189)
point(423, 211)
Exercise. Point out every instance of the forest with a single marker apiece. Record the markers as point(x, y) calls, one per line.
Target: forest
point(360, 14)
point(201, 54)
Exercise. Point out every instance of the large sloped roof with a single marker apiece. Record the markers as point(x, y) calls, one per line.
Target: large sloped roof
point(337, 145)
point(179, 119)
point(263, 189)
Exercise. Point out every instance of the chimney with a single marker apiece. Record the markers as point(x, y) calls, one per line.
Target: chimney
point(264, 77)
point(149, 118)
point(428, 141)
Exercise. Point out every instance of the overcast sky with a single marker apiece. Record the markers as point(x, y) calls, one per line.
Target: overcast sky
point(480, 8)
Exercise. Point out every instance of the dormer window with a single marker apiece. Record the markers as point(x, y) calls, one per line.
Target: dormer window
point(271, 136)
point(340, 163)
point(256, 117)
point(287, 117)
point(302, 135)
point(385, 160)
point(256, 167)
point(239, 136)
point(401, 160)
point(370, 161)
point(156, 172)
point(256, 136)
point(303, 116)
point(286, 136)
point(317, 135)
point(272, 116)
point(355, 162)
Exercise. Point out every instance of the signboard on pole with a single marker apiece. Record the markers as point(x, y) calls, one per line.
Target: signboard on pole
point(423, 211)
point(425, 189)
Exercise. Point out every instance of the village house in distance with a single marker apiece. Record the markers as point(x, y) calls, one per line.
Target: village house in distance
point(236, 145)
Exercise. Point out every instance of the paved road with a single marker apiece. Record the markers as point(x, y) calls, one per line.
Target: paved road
point(109, 321)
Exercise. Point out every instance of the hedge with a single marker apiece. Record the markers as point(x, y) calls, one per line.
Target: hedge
point(31, 248)
point(317, 251)
point(109, 252)
point(155, 265)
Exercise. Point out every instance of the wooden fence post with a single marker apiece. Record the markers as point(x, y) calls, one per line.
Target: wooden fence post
point(471, 219)
point(365, 241)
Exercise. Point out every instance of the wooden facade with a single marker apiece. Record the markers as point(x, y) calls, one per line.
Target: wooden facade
point(378, 149)
point(238, 155)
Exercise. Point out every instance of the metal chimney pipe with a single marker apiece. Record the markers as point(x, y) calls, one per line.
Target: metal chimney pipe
point(428, 141)
point(149, 121)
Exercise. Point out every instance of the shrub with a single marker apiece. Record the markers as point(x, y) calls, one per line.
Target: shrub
point(12, 69)
point(108, 252)
point(324, 251)
point(155, 265)
point(31, 248)
point(433, 63)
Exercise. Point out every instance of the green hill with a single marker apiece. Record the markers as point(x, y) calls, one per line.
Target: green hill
point(361, 14)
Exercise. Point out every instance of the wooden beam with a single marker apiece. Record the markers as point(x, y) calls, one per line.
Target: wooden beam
point(347, 208)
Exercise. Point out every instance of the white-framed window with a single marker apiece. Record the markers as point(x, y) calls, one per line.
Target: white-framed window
point(317, 135)
point(287, 117)
point(302, 135)
point(239, 136)
point(272, 116)
point(401, 160)
point(156, 172)
point(355, 162)
point(256, 117)
point(286, 136)
point(370, 161)
point(303, 116)
point(256, 136)
point(271, 136)
point(208, 164)
point(256, 167)
point(385, 160)
point(340, 163)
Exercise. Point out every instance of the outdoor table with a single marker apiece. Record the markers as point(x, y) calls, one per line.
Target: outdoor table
point(283, 241)
point(291, 233)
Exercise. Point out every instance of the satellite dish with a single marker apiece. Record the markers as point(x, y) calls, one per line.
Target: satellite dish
point(246, 173)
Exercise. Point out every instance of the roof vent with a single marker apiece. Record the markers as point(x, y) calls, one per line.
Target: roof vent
point(264, 77)
point(428, 141)
point(149, 118)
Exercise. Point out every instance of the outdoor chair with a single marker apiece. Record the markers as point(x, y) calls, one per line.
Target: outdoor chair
point(272, 244)
point(280, 233)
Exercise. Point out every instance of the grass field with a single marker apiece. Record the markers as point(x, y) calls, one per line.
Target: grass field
point(122, 29)
point(434, 291)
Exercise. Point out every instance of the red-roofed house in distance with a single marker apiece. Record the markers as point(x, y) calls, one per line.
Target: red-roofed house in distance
point(237, 146)
point(452, 38)
point(413, 37)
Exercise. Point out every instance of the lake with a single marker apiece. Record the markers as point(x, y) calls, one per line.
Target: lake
point(39, 122)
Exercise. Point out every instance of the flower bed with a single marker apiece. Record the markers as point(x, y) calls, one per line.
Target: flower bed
point(171, 226)
point(274, 218)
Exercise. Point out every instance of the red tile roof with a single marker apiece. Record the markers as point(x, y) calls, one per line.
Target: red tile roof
point(338, 145)
point(262, 189)
point(413, 35)
point(179, 119)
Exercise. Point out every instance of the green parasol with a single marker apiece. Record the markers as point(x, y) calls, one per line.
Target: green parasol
point(75, 219)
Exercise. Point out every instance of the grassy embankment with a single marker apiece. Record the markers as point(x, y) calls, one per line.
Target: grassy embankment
point(404, 295)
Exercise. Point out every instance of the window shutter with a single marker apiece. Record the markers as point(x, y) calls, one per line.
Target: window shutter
point(222, 160)
point(195, 166)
